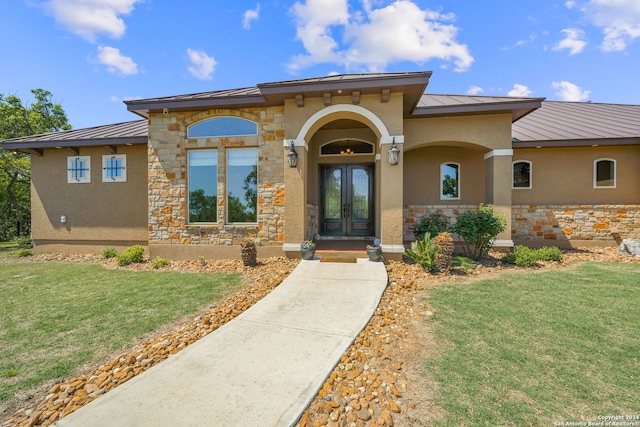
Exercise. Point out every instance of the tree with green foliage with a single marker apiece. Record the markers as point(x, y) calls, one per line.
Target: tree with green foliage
point(479, 228)
point(18, 119)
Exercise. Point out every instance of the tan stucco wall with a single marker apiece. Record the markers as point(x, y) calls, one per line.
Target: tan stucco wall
point(565, 176)
point(491, 131)
point(104, 212)
point(422, 175)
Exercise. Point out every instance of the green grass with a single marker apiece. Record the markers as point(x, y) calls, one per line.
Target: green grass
point(56, 317)
point(7, 249)
point(532, 349)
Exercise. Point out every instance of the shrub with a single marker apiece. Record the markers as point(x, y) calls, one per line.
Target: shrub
point(248, 252)
point(22, 253)
point(424, 252)
point(108, 252)
point(130, 255)
point(523, 256)
point(434, 224)
point(159, 262)
point(463, 262)
point(24, 241)
point(478, 228)
point(549, 253)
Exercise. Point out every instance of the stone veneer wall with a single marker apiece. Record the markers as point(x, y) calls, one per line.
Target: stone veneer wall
point(413, 213)
point(168, 181)
point(570, 222)
point(550, 222)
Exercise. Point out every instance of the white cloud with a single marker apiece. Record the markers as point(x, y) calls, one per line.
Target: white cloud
point(619, 19)
point(373, 38)
point(116, 62)
point(520, 91)
point(570, 4)
point(574, 41)
point(88, 18)
point(475, 90)
point(567, 91)
point(250, 15)
point(202, 66)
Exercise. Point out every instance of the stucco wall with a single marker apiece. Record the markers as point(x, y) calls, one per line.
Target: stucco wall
point(564, 176)
point(422, 175)
point(98, 213)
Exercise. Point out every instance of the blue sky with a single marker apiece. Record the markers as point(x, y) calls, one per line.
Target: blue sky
point(93, 54)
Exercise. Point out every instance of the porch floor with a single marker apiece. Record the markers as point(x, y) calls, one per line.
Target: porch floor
point(343, 247)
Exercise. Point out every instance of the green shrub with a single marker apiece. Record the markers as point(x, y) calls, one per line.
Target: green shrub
point(424, 252)
point(549, 253)
point(463, 262)
point(130, 255)
point(21, 253)
point(478, 228)
point(159, 262)
point(434, 224)
point(523, 256)
point(108, 253)
point(24, 241)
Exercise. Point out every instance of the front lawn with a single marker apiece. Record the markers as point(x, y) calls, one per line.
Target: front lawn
point(538, 348)
point(57, 317)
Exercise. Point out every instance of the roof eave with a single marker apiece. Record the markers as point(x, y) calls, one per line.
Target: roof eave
point(144, 107)
point(518, 109)
point(64, 143)
point(590, 142)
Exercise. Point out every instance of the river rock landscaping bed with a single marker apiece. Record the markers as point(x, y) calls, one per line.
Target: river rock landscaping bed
point(378, 381)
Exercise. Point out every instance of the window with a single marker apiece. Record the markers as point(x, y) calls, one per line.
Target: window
point(521, 174)
point(242, 185)
point(222, 126)
point(449, 181)
point(203, 185)
point(114, 168)
point(604, 173)
point(78, 169)
point(346, 147)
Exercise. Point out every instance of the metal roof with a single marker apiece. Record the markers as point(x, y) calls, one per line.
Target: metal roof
point(411, 84)
point(579, 121)
point(447, 105)
point(134, 132)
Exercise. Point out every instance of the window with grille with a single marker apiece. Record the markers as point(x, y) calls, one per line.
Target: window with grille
point(114, 168)
point(78, 169)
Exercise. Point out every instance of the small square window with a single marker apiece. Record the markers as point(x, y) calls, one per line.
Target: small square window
point(114, 168)
point(78, 169)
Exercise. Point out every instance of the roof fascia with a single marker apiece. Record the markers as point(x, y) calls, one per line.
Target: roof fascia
point(528, 106)
point(141, 107)
point(595, 142)
point(65, 143)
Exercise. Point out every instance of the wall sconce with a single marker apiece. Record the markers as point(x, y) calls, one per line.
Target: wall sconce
point(394, 153)
point(293, 157)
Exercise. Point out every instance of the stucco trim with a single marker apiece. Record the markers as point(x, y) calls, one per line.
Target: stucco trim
point(332, 109)
point(291, 247)
point(396, 249)
point(496, 153)
point(503, 243)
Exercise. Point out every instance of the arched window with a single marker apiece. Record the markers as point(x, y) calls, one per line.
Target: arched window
point(521, 177)
point(222, 126)
point(346, 146)
point(450, 181)
point(604, 173)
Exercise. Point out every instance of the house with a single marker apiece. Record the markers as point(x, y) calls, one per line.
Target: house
point(351, 156)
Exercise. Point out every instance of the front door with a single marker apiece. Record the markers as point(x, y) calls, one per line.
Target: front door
point(346, 207)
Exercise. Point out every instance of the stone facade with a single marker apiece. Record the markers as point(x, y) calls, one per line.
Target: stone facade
point(413, 213)
point(571, 222)
point(167, 179)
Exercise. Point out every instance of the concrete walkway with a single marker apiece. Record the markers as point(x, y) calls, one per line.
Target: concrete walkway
point(261, 369)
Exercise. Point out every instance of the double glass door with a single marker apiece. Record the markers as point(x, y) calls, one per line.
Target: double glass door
point(346, 200)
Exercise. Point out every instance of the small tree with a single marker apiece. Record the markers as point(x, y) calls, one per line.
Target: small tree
point(478, 228)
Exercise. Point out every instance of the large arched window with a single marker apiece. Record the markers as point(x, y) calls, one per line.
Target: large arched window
point(222, 126)
point(604, 173)
point(450, 181)
point(521, 177)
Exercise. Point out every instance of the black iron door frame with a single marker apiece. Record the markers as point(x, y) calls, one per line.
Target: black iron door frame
point(346, 200)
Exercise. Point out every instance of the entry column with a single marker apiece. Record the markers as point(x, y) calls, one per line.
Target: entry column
point(498, 190)
point(390, 199)
point(294, 196)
